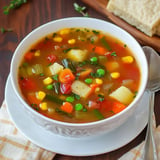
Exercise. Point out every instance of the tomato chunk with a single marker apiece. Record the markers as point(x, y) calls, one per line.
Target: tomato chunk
point(118, 107)
point(51, 58)
point(65, 88)
point(28, 84)
point(28, 56)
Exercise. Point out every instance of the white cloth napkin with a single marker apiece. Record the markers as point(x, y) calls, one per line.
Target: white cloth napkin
point(14, 145)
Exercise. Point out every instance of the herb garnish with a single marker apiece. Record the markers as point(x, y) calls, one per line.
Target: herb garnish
point(81, 10)
point(3, 30)
point(13, 4)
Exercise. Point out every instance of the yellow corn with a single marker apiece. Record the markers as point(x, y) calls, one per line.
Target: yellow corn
point(40, 95)
point(71, 41)
point(37, 53)
point(43, 106)
point(97, 89)
point(115, 75)
point(127, 59)
point(47, 80)
point(58, 39)
point(99, 81)
point(64, 31)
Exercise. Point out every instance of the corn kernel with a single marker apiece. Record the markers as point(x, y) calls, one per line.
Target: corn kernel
point(40, 95)
point(47, 80)
point(115, 75)
point(71, 41)
point(37, 53)
point(127, 59)
point(97, 89)
point(58, 39)
point(64, 31)
point(43, 106)
point(99, 81)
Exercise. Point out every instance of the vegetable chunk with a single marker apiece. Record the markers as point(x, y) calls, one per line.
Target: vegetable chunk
point(123, 95)
point(80, 88)
point(55, 68)
point(77, 55)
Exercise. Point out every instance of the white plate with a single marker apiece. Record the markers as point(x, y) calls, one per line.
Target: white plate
point(76, 146)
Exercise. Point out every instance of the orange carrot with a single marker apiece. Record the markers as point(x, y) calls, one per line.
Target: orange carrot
point(66, 76)
point(67, 107)
point(28, 56)
point(32, 99)
point(118, 107)
point(85, 73)
point(100, 50)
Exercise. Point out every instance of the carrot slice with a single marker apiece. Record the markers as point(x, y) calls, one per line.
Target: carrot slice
point(85, 73)
point(28, 56)
point(100, 50)
point(32, 99)
point(66, 76)
point(67, 107)
point(118, 107)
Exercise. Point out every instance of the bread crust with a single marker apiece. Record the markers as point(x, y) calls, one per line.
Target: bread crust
point(143, 14)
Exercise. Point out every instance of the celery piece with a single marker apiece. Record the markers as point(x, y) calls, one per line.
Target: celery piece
point(105, 44)
point(54, 99)
point(98, 114)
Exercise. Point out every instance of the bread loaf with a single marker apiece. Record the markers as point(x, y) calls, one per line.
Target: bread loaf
point(143, 14)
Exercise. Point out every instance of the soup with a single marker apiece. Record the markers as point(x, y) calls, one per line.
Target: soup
point(79, 75)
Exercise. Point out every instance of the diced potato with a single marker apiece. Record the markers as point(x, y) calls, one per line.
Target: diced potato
point(112, 66)
point(77, 55)
point(80, 88)
point(123, 95)
point(127, 82)
point(55, 68)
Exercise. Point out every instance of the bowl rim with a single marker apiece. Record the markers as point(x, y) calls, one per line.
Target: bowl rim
point(116, 116)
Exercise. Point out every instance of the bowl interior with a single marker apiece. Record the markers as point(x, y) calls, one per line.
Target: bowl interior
point(86, 23)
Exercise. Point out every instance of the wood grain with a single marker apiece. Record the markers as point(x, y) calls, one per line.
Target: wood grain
point(100, 6)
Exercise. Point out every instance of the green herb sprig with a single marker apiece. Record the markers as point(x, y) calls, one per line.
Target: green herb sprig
point(81, 10)
point(13, 4)
point(3, 30)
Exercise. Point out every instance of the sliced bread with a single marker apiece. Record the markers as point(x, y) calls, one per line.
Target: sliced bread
point(143, 14)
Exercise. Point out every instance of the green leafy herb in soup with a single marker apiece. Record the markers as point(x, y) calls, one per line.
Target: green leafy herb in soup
point(79, 75)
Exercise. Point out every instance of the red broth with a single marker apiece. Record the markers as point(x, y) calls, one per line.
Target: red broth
point(79, 75)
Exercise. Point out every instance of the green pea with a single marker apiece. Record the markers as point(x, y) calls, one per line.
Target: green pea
point(70, 99)
point(88, 80)
point(100, 72)
point(78, 107)
point(49, 87)
point(94, 59)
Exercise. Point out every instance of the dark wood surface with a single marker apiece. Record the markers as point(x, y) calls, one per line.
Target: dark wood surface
point(24, 20)
point(100, 6)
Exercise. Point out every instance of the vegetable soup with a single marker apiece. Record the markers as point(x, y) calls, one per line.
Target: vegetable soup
point(79, 75)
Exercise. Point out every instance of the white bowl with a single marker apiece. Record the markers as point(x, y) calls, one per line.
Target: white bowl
point(83, 129)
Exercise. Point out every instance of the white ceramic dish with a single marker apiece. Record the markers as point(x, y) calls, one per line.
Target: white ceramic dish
point(92, 145)
point(84, 129)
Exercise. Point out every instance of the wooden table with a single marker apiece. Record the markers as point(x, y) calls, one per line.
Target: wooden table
point(26, 18)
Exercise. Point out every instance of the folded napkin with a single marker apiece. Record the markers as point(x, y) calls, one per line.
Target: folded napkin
point(137, 152)
point(14, 145)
